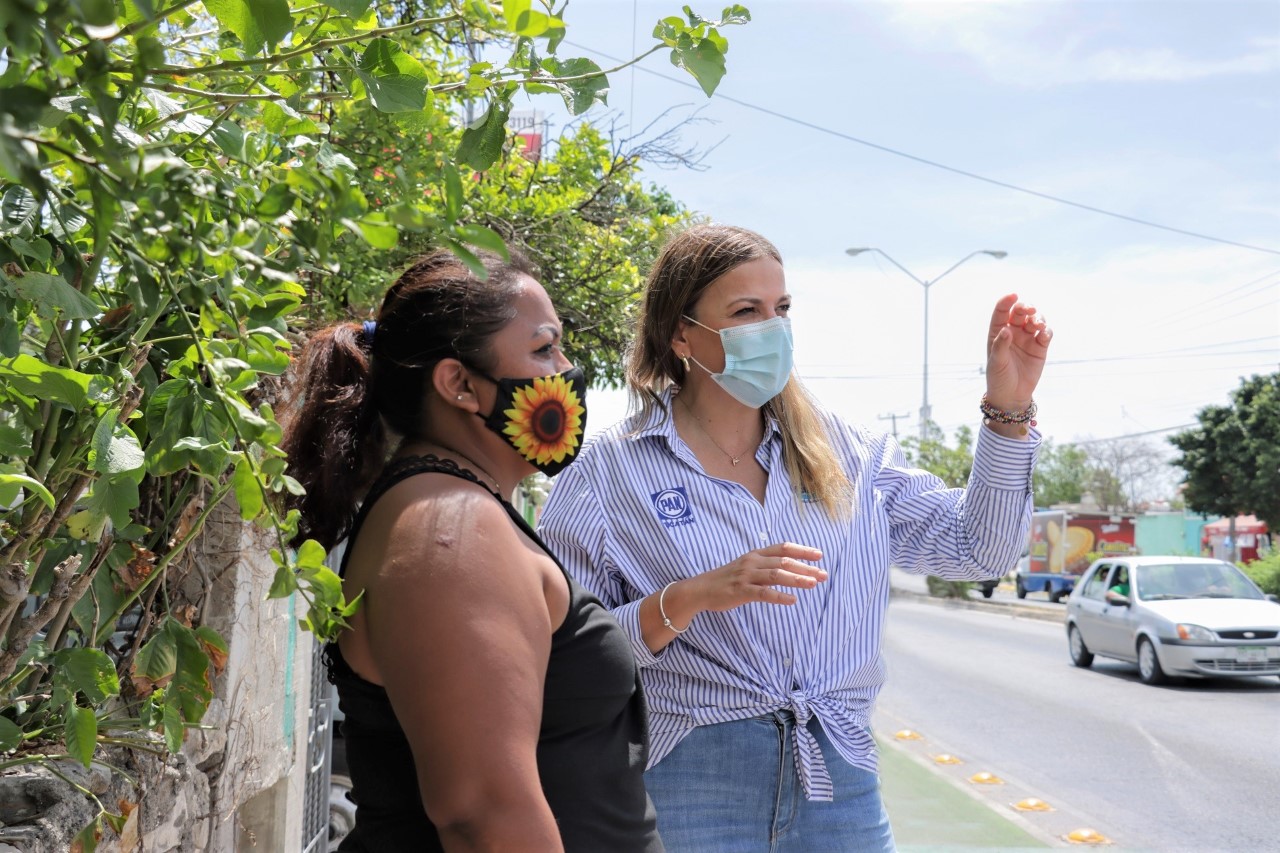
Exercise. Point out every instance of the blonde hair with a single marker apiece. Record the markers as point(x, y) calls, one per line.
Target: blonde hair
point(688, 264)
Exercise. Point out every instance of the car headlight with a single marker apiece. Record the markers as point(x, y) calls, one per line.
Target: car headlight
point(1195, 632)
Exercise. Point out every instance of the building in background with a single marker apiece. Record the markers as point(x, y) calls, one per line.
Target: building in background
point(531, 128)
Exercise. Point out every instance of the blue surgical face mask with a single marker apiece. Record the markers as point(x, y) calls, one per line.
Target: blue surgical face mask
point(757, 360)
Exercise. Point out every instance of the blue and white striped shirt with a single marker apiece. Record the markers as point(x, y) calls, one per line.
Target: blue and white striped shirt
point(636, 512)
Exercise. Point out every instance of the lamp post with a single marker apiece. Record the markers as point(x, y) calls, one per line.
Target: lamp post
point(925, 411)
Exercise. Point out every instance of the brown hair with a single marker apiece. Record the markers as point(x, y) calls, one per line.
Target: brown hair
point(351, 392)
point(688, 264)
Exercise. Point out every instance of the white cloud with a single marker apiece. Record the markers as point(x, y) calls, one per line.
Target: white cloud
point(1023, 44)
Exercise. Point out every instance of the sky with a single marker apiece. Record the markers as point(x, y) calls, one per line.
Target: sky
point(1166, 111)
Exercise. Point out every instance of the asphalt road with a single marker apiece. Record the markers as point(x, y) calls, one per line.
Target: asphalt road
point(1191, 767)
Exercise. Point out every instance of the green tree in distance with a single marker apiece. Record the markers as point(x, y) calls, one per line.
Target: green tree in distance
point(1232, 459)
point(1062, 474)
point(170, 193)
point(951, 464)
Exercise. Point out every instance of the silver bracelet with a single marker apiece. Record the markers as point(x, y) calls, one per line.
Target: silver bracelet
point(663, 611)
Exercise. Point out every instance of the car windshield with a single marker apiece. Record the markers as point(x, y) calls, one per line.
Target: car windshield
point(1193, 580)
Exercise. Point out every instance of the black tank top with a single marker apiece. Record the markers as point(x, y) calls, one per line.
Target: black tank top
point(592, 747)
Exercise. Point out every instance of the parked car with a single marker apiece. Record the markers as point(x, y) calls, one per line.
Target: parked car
point(1174, 616)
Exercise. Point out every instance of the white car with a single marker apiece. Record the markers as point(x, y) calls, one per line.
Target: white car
point(1174, 616)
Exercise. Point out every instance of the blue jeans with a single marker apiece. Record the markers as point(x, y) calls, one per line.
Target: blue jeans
point(733, 788)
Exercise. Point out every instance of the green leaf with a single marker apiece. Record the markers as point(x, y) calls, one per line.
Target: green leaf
point(81, 733)
point(354, 9)
point(468, 257)
point(87, 525)
point(10, 734)
point(579, 95)
point(484, 238)
point(156, 660)
point(310, 555)
point(481, 144)
point(254, 22)
point(703, 59)
point(10, 483)
point(275, 202)
point(14, 441)
point(192, 679)
point(86, 840)
point(19, 210)
point(283, 584)
point(530, 23)
point(32, 377)
point(139, 10)
point(247, 489)
point(38, 248)
point(330, 159)
point(453, 193)
point(734, 14)
point(374, 230)
point(171, 722)
point(115, 449)
point(98, 13)
point(89, 671)
point(396, 82)
point(211, 638)
point(110, 497)
point(286, 121)
point(52, 293)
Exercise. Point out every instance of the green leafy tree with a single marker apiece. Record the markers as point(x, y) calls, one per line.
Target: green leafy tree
point(951, 464)
point(169, 194)
point(1062, 474)
point(1232, 459)
point(579, 212)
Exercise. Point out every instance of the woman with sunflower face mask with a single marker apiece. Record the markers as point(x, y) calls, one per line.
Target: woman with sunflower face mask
point(490, 701)
point(730, 492)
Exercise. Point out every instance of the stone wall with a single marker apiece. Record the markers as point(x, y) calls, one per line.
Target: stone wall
point(238, 781)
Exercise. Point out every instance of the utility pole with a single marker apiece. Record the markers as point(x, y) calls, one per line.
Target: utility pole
point(894, 418)
point(926, 413)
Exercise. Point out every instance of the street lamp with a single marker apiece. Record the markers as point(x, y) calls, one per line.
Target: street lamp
point(925, 412)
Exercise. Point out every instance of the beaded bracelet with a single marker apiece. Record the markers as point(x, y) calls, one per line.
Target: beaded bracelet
point(991, 413)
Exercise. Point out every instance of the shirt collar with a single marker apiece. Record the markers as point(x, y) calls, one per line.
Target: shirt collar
point(660, 422)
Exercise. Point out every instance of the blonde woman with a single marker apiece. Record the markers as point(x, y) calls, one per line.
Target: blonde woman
point(743, 537)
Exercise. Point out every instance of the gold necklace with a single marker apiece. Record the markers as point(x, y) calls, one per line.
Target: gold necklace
point(732, 458)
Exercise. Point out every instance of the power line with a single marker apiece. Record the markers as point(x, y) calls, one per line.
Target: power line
point(975, 176)
point(1217, 300)
point(1135, 434)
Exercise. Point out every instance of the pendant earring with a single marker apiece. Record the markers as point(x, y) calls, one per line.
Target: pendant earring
point(685, 360)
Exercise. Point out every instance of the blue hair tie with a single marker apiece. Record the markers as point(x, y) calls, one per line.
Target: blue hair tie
point(370, 326)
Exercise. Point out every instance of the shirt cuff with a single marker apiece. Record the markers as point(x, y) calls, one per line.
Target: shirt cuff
point(628, 616)
point(1005, 463)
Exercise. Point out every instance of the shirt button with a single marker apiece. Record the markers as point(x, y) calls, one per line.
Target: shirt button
point(764, 537)
point(786, 661)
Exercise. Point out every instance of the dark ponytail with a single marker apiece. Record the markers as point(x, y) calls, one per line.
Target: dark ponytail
point(334, 439)
point(353, 390)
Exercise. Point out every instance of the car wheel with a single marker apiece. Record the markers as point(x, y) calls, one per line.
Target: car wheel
point(1080, 654)
point(1055, 596)
point(342, 811)
point(1022, 590)
point(1149, 668)
point(987, 589)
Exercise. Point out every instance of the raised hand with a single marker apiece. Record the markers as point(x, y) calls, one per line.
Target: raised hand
point(1017, 344)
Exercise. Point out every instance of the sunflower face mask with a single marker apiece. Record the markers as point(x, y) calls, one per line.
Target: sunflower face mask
point(542, 418)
